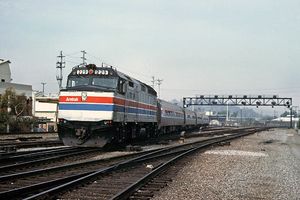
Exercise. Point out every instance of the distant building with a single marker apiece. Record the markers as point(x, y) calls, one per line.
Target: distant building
point(286, 119)
point(5, 81)
point(5, 74)
point(45, 110)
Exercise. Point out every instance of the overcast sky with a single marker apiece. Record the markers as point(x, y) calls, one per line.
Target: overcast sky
point(196, 47)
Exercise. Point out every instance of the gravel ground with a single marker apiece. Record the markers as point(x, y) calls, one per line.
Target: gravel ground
point(260, 166)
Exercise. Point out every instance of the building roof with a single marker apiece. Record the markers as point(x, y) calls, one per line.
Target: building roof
point(19, 88)
point(4, 61)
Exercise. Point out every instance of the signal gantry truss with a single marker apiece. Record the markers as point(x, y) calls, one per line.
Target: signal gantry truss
point(230, 100)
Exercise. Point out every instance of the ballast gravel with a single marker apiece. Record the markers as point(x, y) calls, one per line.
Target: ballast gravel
point(263, 165)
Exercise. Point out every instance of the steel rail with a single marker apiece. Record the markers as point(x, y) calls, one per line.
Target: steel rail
point(4, 156)
point(31, 143)
point(34, 154)
point(43, 160)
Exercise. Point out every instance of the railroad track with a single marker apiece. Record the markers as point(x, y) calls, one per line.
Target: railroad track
point(38, 160)
point(189, 134)
point(20, 153)
point(14, 184)
point(104, 180)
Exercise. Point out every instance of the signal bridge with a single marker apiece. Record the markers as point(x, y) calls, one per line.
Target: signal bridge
point(242, 100)
point(231, 100)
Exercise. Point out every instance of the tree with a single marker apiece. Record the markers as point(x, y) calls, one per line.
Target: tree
point(13, 109)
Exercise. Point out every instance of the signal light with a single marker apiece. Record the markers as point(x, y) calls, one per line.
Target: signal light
point(273, 104)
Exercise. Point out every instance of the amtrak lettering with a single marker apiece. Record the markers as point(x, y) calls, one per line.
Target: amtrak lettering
point(72, 99)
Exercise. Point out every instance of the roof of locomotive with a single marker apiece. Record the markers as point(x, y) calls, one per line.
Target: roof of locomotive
point(92, 69)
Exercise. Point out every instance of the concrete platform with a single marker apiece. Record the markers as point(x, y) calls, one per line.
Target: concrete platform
point(264, 165)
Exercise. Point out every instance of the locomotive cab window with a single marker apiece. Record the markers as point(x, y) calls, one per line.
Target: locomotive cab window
point(77, 81)
point(105, 82)
point(101, 83)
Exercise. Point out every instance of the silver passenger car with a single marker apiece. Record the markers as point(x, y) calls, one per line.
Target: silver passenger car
point(170, 116)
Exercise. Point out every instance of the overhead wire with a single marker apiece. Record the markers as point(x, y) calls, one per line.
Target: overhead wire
point(70, 54)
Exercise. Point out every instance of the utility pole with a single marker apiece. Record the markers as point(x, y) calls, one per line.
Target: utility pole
point(83, 58)
point(60, 65)
point(153, 82)
point(159, 82)
point(241, 117)
point(291, 117)
point(8, 112)
point(227, 114)
point(43, 88)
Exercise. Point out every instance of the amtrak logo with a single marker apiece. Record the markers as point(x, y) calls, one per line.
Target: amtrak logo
point(84, 96)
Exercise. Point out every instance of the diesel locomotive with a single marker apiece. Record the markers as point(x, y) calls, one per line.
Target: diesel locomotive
point(102, 105)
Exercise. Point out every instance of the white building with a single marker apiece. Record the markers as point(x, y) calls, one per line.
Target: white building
point(5, 83)
point(5, 74)
point(45, 109)
point(286, 119)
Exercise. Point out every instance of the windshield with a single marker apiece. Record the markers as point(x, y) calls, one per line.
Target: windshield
point(105, 82)
point(78, 81)
point(102, 83)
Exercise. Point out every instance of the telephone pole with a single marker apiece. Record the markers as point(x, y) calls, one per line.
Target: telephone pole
point(43, 88)
point(83, 58)
point(60, 65)
point(159, 82)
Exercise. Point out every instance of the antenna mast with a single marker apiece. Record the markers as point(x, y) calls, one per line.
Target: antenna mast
point(43, 83)
point(83, 58)
point(60, 65)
